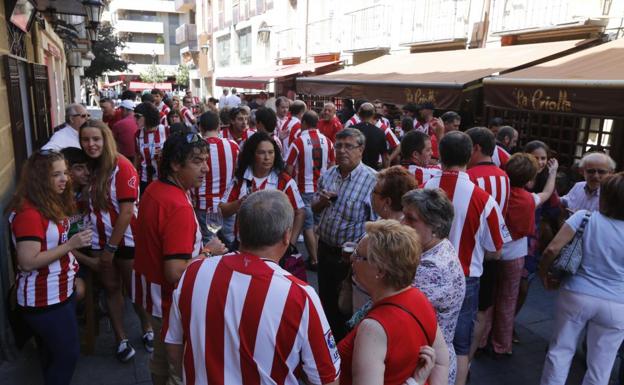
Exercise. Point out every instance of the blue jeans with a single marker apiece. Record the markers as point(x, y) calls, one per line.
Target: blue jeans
point(309, 215)
point(467, 316)
point(56, 330)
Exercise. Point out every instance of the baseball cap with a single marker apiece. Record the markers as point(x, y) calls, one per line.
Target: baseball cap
point(127, 104)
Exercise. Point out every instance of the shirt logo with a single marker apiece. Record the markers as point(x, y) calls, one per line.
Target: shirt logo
point(132, 182)
point(331, 345)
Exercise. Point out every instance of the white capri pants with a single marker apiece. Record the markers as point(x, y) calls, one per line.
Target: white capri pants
point(605, 331)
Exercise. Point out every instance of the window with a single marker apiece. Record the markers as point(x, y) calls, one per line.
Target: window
point(244, 46)
point(223, 51)
point(260, 7)
point(221, 14)
point(235, 11)
point(244, 10)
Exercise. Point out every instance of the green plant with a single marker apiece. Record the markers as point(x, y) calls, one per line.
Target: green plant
point(106, 57)
point(153, 74)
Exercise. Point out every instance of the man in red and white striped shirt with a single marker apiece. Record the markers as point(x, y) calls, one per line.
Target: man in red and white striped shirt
point(477, 233)
point(506, 140)
point(239, 130)
point(222, 158)
point(187, 112)
point(242, 319)
point(310, 155)
point(416, 157)
point(167, 238)
point(163, 109)
point(292, 127)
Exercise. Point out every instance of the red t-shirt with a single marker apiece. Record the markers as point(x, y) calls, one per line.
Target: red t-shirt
point(124, 132)
point(112, 120)
point(166, 229)
point(329, 128)
point(404, 335)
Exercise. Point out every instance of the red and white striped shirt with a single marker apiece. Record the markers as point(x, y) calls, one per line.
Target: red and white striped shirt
point(355, 119)
point(478, 224)
point(391, 140)
point(500, 157)
point(163, 108)
point(187, 116)
point(494, 181)
point(166, 229)
point(423, 174)
point(123, 188)
point(223, 154)
point(226, 133)
point(245, 320)
point(274, 181)
point(422, 127)
point(148, 146)
point(293, 128)
point(310, 155)
point(50, 284)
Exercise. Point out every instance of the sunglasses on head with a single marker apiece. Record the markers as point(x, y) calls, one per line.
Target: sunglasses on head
point(192, 138)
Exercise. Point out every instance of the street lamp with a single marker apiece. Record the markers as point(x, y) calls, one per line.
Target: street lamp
point(92, 32)
point(93, 9)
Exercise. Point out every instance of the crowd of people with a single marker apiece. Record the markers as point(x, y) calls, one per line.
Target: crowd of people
point(425, 239)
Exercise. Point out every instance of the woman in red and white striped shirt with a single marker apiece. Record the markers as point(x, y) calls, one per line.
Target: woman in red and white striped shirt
point(46, 268)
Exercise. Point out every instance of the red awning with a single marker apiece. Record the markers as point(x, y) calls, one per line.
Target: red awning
point(140, 86)
point(113, 84)
point(261, 77)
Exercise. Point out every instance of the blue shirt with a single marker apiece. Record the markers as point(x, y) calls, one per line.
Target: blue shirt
point(343, 221)
point(601, 273)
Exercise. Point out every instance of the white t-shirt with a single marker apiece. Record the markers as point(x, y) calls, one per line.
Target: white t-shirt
point(520, 247)
point(63, 138)
point(232, 101)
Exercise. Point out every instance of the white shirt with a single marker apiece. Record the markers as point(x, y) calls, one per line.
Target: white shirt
point(232, 101)
point(222, 101)
point(63, 138)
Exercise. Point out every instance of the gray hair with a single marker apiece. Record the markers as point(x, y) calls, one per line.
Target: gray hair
point(264, 217)
point(71, 109)
point(352, 133)
point(597, 157)
point(434, 208)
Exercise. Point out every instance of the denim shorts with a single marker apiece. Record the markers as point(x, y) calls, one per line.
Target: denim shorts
point(467, 316)
point(309, 215)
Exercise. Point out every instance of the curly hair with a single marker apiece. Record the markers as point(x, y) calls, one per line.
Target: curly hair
point(35, 185)
point(101, 168)
point(394, 182)
point(248, 154)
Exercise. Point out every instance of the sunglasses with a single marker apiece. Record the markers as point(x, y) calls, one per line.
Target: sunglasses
point(47, 152)
point(84, 116)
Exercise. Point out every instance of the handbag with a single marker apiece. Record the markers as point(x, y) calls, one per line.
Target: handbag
point(292, 261)
point(570, 256)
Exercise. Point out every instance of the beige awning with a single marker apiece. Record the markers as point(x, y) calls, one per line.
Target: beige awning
point(437, 77)
point(589, 82)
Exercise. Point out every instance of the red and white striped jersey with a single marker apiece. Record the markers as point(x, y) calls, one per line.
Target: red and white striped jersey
point(423, 127)
point(222, 158)
point(163, 109)
point(478, 224)
point(124, 187)
point(163, 121)
point(355, 119)
point(148, 146)
point(500, 157)
point(226, 133)
point(391, 140)
point(274, 181)
point(293, 128)
point(245, 320)
point(423, 174)
point(50, 284)
point(310, 154)
point(187, 116)
point(494, 181)
point(166, 229)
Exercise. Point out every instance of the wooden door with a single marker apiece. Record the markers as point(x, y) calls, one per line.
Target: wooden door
point(41, 104)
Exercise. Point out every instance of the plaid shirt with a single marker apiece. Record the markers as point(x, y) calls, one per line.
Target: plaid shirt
point(343, 221)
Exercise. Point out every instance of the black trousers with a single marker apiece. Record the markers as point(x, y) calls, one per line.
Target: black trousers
point(332, 270)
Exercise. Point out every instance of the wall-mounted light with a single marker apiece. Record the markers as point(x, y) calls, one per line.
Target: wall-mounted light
point(204, 49)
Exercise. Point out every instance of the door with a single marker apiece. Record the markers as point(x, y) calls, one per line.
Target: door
point(16, 112)
point(41, 103)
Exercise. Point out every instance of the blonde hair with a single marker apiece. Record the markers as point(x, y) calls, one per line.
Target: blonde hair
point(103, 167)
point(395, 250)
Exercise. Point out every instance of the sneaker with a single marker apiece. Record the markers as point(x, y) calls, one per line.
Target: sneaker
point(125, 351)
point(148, 341)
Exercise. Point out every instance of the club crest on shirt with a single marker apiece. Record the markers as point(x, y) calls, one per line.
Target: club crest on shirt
point(132, 182)
point(331, 345)
point(505, 231)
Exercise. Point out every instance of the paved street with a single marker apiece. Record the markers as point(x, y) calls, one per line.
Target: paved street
point(523, 368)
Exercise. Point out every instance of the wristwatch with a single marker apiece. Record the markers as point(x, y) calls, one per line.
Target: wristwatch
point(110, 248)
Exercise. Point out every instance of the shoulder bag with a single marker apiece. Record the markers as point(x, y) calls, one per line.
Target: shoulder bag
point(570, 256)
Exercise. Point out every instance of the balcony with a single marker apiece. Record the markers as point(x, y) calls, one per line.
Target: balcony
point(184, 5)
point(139, 26)
point(186, 34)
point(165, 6)
point(369, 29)
point(288, 44)
point(324, 36)
point(434, 21)
point(156, 49)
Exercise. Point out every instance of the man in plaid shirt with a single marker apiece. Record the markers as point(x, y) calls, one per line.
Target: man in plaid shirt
point(344, 201)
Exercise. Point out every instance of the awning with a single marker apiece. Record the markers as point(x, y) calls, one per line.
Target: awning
point(140, 86)
point(261, 77)
point(589, 82)
point(113, 84)
point(437, 77)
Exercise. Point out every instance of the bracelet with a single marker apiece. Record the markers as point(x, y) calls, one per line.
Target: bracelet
point(411, 381)
point(110, 248)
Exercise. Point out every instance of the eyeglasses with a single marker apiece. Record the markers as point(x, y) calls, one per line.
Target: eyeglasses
point(138, 116)
point(358, 257)
point(346, 146)
point(84, 116)
point(596, 171)
point(192, 138)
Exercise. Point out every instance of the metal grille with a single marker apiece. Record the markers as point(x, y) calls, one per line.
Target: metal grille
point(16, 41)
